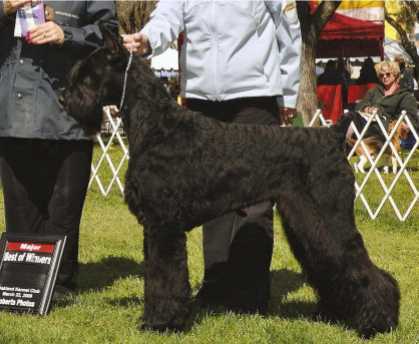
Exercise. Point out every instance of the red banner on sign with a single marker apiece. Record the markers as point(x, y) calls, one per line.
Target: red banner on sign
point(30, 247)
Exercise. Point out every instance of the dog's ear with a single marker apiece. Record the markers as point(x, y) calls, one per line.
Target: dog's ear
point(112, 41)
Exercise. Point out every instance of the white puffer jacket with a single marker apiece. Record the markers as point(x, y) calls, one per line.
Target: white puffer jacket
point(232, 48)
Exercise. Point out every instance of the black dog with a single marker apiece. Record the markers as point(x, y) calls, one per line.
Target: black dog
point(186, 169)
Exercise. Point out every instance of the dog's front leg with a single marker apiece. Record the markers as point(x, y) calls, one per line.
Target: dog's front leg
point(166, 284)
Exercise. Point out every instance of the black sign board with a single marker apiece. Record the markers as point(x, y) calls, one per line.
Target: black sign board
point(28, 271)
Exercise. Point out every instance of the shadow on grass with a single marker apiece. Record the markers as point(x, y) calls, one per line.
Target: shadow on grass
point(126, 301)
point(99, 275)
point(283, 281)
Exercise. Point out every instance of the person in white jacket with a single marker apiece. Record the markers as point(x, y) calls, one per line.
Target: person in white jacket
point(239, 63)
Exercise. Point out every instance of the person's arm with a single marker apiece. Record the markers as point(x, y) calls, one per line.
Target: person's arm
point(90, 35)
point(165, 25)
point(289, 41)
point(77, 37)
point(366, 101)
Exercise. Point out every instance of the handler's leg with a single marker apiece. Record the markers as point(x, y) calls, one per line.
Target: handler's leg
point(45, 184)
point(24, 189)
point(72, 165)
point(250, 259)
point(251, 250)
point(237, 255)
point(217, 237)
point(230, 272)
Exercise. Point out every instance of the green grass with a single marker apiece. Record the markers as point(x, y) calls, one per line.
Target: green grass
point(109, 304)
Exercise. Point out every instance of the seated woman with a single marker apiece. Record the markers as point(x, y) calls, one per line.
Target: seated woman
point(388, 100)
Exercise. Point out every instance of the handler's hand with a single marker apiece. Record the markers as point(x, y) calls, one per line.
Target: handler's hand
point(45, 33)
point(137, 43)
point(286, 115)
point(11, 6)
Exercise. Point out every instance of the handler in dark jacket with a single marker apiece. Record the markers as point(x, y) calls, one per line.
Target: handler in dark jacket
point(45, 154)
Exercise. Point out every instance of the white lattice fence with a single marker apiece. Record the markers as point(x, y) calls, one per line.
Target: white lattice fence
point(404, 204)
point(109, 165)
point(107, 168)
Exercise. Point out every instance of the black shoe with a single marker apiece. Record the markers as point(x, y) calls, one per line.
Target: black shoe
point(252, 300)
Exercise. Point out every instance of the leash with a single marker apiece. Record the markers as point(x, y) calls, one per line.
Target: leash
point(124, 88)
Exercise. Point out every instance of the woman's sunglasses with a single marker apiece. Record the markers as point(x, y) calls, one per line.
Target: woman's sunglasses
point(382, 75)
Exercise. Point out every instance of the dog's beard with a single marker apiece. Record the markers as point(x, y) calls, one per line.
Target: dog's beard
point(84, 107)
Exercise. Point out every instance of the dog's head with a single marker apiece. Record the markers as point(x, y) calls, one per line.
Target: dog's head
point(96, 81)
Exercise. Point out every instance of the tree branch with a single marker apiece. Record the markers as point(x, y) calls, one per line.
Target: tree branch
point(323, 13)
point(408, 45)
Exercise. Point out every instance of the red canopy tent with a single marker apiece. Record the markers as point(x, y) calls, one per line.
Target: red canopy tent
point(355, 29)
point(349, 37)
point(345, 35)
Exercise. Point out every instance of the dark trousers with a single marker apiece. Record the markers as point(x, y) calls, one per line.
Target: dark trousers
point(238, 247)
point(44, 185)
point(257, 110)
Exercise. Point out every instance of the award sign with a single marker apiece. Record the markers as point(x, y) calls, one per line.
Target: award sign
point(28, 271)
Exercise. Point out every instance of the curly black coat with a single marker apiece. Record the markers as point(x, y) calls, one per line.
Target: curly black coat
point(186, 169)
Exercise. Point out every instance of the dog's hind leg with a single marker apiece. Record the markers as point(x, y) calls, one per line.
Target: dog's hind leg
point(166, 283)
point(320, 226)
point(308, 238)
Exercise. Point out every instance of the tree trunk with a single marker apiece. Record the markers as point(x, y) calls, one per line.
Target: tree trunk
point(406, 43)
point(311, 26)
point(133, 15)
point(307, 95)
